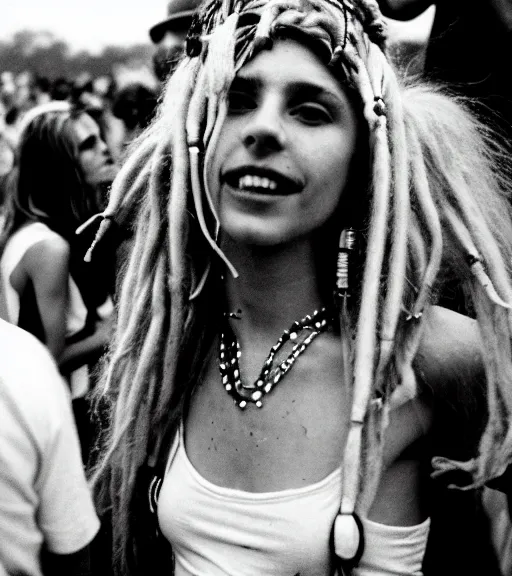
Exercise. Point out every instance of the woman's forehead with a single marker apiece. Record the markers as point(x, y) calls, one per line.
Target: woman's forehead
point(289, 62)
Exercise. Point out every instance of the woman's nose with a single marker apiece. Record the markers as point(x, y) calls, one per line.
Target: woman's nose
point(103, 146)
point(264, 132)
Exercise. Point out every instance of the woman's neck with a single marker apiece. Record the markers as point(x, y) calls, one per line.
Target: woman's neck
point(275, 287)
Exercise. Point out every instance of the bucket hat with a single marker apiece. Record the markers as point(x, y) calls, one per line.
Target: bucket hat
point(179, 15)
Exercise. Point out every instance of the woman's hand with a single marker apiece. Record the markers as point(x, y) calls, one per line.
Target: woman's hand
point(89, 349)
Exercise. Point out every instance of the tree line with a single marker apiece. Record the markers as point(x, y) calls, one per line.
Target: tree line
point(46, 55)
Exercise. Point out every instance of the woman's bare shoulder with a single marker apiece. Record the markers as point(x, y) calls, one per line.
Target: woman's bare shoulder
point(450, 348)
point(50, 253)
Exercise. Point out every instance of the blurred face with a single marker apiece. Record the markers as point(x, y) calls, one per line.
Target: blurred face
point(284, 153)
point(168, 51)
point(92, 152)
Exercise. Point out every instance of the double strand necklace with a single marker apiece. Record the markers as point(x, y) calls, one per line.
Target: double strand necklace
point(269, 377)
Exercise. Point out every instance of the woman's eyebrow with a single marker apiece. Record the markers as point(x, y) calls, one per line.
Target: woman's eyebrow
point(246, 83)
point(312, 90)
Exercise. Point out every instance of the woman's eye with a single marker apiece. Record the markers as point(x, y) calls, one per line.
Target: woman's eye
point(311, 114)
point(240, 102)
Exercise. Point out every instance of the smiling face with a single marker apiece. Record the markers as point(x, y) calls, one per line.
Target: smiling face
point(284, 153)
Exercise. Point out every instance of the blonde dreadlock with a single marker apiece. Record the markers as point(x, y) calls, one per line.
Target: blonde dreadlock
point(434, 200)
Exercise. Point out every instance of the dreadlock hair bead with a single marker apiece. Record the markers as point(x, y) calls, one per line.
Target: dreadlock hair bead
point(263, 43)
point(379, 107)
point(348, 537)
point(193, 46)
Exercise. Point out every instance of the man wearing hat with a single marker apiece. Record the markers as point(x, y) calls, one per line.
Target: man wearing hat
point(169, 35)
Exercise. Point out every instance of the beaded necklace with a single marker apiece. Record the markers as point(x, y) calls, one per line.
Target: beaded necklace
point(269, 377)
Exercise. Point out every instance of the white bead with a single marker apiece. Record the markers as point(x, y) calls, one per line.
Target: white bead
point(346, 536)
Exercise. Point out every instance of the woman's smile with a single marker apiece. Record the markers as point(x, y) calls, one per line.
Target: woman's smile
point(261, 180)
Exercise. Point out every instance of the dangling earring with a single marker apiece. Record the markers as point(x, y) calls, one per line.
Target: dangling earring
point(346, 247)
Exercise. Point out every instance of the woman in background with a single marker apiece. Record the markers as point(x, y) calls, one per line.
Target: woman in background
point(62, 172)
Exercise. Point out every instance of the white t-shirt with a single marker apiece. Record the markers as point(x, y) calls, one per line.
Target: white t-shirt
point(44, 497)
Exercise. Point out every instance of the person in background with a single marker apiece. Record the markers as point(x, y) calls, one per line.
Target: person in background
point(61, 89)
point(62, 173)
point(6, 148)
point(169, 36)
point(42, 90)
point(135, 104)
point(134, 99)
point(47, 517)
point(468, 51)
point(287, 396)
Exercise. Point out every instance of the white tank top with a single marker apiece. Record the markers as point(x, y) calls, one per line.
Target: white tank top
point(218, 531)
point(15, 249)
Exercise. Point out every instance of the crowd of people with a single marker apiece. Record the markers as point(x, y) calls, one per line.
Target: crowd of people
point(256, 313)
point(122, 104)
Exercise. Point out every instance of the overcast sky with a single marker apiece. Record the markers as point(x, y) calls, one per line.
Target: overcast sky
point(89, 24)
point(92, 24)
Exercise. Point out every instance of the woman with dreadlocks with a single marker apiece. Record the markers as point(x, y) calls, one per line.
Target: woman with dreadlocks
point(281, 377)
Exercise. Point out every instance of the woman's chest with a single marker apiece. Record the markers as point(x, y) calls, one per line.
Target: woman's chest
point(292, 440)
point(295, 439)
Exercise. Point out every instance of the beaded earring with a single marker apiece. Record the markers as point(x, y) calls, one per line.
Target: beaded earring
point(346, 248)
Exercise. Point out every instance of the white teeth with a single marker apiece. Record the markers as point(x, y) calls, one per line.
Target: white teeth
point(249, 181)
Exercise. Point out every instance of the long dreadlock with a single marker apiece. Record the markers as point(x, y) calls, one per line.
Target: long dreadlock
point(435, 200)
